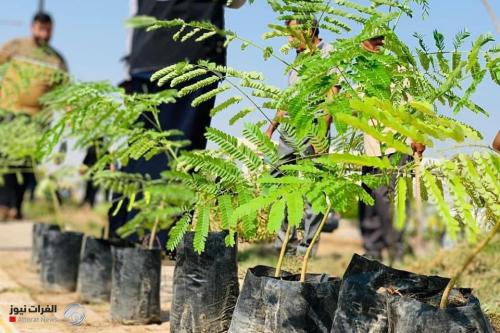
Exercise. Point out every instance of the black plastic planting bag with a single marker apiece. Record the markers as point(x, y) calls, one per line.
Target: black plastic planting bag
point(135, 291)
point(205, 286)
point(369, 289)
point(37, 239)
point(60, 260)
point(94, 274)
point(278, 305)
point(463, 314)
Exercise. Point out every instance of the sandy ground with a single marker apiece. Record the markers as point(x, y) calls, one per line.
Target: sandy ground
point(19, 285)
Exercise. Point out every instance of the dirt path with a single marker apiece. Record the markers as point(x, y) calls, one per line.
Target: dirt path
point(19, 286)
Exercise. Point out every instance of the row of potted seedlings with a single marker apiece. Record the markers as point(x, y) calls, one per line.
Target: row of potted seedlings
point(207, 298)
point(206, 295)
point(370, 297)
point(128, 276)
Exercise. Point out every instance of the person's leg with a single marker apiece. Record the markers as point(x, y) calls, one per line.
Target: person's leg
point(21, 186)
point(31, 187)
point(7, 195)
point(90, 193)
point(394, 238)
point(311, 222)
point(292, 240)
point(179, 115)
point(18, 188)
point(286, 154)
point(192, 121)
point(384, 212)
point(90, 189)
point(370, 222)
point(117, 213)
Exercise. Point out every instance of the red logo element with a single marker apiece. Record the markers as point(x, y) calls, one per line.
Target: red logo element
point(12, 319)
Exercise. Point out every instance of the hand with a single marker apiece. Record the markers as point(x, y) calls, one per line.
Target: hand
point(418, 148)
point(83, 169)
point(235, 4)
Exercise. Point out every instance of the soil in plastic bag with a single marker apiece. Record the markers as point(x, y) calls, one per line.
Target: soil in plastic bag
point(278, 305)
point(36, 241)
point(463, 314)
point(94, 274)
point(60, 260)
point(135, 289)
point(368, 287)
point(205, 287)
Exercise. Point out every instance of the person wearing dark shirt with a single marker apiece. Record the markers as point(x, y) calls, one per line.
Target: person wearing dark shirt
point(152, 51)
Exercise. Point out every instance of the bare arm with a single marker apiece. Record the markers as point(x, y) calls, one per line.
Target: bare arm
point(235, 4)
point(275, 123)
point(329, 96)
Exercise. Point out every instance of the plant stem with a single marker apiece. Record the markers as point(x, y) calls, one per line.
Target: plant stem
point(106, 230)
point(314, 240)
point(57, 208)
point(418, 203)
point(152, 237)
point(279, 265)
point(472, 256)
point(399, 16)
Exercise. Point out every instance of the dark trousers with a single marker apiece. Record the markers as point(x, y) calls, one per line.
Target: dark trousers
point(310, 224)
point(13, 189)
point(376, 222)
point(179, 115)
point(310, 221)
point(90, 189)
point(90, 193)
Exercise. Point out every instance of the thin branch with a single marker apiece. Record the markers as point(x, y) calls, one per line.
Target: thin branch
point(491, 12)
point(284, 246)
point(444, 299)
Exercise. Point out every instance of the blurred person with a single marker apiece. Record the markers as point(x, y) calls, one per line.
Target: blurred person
point(310, 221)
point(154, 50)
point(376, 222)
point(31, 54)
